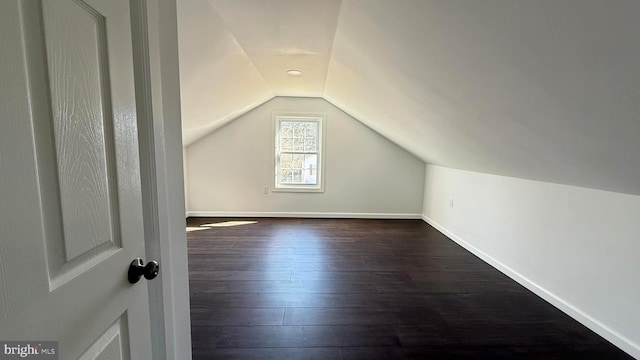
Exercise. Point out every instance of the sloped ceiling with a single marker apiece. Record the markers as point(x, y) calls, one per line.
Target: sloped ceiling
point(542, 90)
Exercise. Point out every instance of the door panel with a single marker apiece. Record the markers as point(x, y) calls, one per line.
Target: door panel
point(69, 179)
point(112, 344)
point(79, 87)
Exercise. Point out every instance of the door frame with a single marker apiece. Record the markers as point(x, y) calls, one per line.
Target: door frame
point(155, 53)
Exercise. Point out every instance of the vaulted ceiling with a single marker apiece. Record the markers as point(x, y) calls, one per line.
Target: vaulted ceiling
point(542, 90)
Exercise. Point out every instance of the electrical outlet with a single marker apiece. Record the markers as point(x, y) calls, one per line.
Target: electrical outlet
point(265, 190)
point(451, 202)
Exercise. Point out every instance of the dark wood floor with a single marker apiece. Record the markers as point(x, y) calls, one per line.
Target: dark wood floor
point(364, 289)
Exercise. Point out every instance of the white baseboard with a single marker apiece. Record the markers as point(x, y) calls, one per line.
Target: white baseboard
point(329, 215)
point(611, 335)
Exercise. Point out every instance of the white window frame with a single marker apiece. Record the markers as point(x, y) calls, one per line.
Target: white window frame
point(277, 119)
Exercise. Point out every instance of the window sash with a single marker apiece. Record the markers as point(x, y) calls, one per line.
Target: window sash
point(305, 176)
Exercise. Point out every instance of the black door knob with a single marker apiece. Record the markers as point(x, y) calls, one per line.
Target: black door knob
point(137, 269)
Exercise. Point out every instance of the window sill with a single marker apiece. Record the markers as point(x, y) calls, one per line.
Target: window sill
point(298, 189)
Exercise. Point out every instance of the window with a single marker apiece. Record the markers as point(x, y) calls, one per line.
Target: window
point(298, 153)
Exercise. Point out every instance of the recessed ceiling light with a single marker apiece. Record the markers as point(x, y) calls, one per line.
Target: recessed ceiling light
point(294, 73)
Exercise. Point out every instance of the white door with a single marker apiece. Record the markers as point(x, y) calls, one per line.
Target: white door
point(70, 198)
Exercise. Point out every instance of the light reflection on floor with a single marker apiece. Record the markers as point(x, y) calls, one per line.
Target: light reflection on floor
point(302, 290)
point(195, 228)
point(219, 224)
point(229, 223)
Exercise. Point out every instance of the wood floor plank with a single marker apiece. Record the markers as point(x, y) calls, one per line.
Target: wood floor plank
point(209, 275)
point(267, 354)
point(364, 289)
point(338, 316)
point(204, 315)
point(311, 286)
point(293, 336)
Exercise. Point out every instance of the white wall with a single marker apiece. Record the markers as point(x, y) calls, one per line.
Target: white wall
point(217, 78)
point(540, 90)
point(185, 173)
point(578, 248)
point(365, 174)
